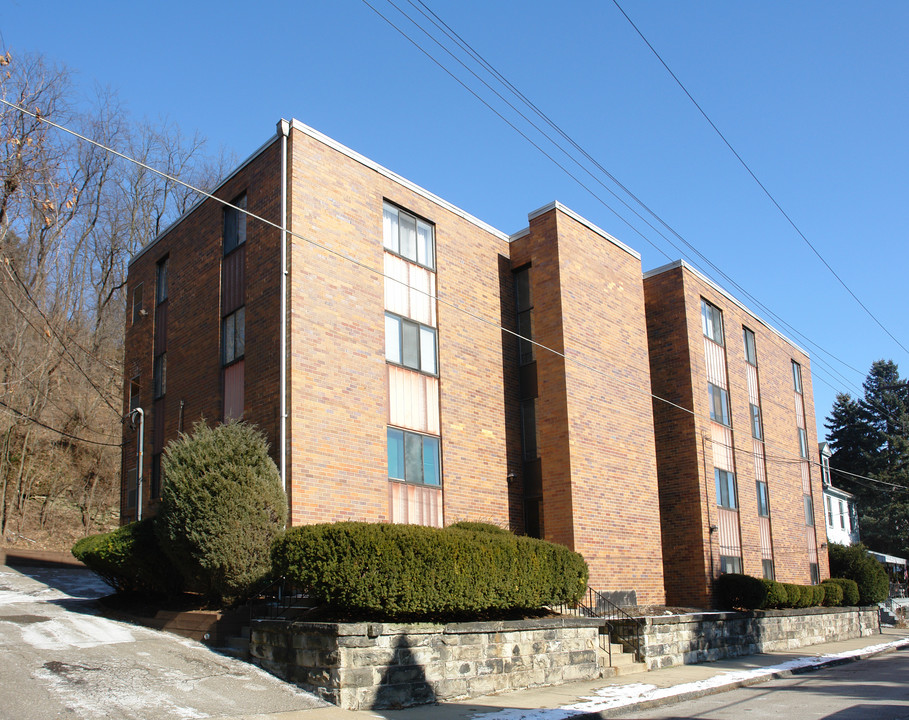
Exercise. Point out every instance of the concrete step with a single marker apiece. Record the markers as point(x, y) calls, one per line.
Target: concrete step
point(631, 668)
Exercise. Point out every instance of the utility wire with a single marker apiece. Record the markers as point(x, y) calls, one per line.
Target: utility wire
point(65, 434)
point(755, 178)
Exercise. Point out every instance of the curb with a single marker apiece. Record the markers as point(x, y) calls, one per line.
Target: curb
point(734, 684)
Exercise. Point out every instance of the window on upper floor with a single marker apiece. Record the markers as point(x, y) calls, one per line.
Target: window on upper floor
point(233, 336)
point(803, 443)
point(413, 458)
point(725, 489)
point(829, 512)
point(757, 429)
point(137, 303)
point(809, 509)
point(161, 281)
point(234, 224)
point(842, 516)
point(750, 347)
point(408, 236)
point(160, 375)
point(524, 307)
point(797, 377)
point(410, 344)
point(712, 322)
point(762, 500)
point(719, 404)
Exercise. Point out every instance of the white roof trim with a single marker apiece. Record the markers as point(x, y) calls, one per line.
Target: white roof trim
point(729, 296)
point(556, 205)
point(413, 187)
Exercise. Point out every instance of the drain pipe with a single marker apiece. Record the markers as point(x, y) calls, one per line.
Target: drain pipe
point(284, 132)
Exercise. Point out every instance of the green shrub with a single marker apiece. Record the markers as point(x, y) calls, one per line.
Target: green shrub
point(479, 527)
point(854, 562)
point(849, 589)
point(221, 508)
point(793, 595)
point(409, 570)
point(776, 595)
point(833, 593)
point(820, 592)
point(129, 559)
point(740, 592)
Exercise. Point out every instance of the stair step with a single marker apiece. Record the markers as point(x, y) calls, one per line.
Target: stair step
point(631, 668)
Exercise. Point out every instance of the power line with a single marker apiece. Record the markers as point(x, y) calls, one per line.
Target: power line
point(755, 178)
point(53, 429)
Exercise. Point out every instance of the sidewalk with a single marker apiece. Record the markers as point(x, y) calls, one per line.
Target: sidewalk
point(618, 696)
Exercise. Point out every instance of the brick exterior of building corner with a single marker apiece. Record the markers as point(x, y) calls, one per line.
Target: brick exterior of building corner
point(401, 407)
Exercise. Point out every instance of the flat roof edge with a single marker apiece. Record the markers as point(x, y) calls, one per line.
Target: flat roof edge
point(728, 295)
point(391, 175)
point(556, 205)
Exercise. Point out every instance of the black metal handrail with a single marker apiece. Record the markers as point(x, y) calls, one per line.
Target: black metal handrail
point(622, 627)
point(276, 599)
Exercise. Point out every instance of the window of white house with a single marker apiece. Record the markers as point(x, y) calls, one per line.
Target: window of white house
point(410, 344)
point(842, 516)
point(234, 224)
point(413, 458)
point(719, 404)
point(161, 282)
point(762, 499)
point(408, 236)
point(757, 430)
point(160, 375)
point(712, 322)
point(725, 489)
point(137, 303)
point(829, 512)
point(797, 377)
point(233, 336)
point(750, 349)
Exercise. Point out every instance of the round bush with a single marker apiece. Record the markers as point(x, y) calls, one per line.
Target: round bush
point(776, 595)
point(221, 508)
point(129, 559)
point(849, 588)
point(833, 594)
point(740, 592)
point(855, 562)
point(398, 571)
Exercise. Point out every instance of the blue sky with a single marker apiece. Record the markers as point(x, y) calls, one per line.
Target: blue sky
point(813, 95)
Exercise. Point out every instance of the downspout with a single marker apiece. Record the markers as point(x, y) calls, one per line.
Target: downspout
point(284, 131)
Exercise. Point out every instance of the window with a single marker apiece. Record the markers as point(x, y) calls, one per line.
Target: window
point(524, 306)
point(134, 393)
point(155, 485)
point(529, 429)
point(815, 575)
point(161, 282)
point(803, 443)
point(413, 458)
point(842, 516)
point(767, 567)
point(809, 509)
point(725, 489)
point(762, 499)
point(712, 322)
point(410, 344)
point(797, 377)
point(235, 224)
point(829, 512)
point(719, 404)
point(757, 431)
point(233, 336)
point(137, 303)
point(408, 236)
point(730, 564)
point(750, 350)
point(160, 372)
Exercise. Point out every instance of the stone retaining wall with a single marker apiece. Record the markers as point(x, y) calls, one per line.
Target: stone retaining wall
point(704, 637)
point(384, 665)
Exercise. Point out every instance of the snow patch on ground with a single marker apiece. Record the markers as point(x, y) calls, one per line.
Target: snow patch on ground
point(615, 696)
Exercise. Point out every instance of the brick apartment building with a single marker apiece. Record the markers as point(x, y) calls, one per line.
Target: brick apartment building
point(401, 398)
point(739, 476)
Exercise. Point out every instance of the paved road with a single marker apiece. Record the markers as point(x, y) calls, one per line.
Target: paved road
point(874, 689)
point(59, 659)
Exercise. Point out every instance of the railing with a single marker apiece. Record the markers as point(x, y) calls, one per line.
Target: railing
point(278, 598)
point(623, 628)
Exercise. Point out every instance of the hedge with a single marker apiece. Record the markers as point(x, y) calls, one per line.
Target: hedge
point(410, 570)
point(743, 592)
point(850, 591)
point(130, 559)
point(740, 592)
point(833, 593)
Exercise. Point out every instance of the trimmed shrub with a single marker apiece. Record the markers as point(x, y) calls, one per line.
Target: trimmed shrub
point(793, 594)
point(833, 593)
point(849, 588)
point(129, 559)
point(479, 527)
point(393, 571)
point(740, 592)
point(854, 562)
point(776, 595)
point(221, 508)
point(820, 592)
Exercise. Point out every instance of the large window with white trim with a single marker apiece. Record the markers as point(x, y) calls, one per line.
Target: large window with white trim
point(413, 458)
point(408, 236)
point(410, 344)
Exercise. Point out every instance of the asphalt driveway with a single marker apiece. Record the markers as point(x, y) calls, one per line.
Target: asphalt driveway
point(61, 659)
